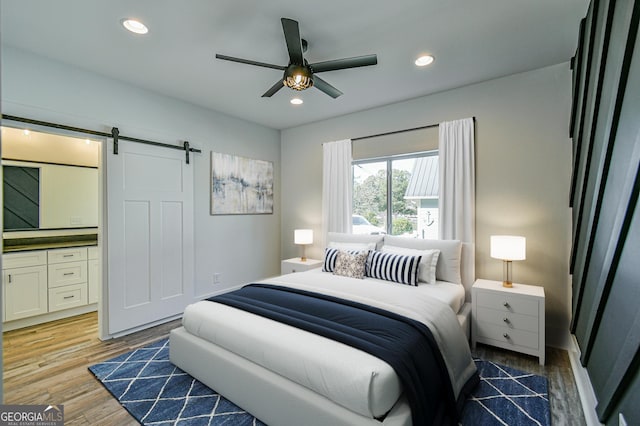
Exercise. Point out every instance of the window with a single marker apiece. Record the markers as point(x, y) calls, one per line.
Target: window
point(396, 195)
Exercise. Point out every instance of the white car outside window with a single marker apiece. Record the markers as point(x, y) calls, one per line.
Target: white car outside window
point(360, 225)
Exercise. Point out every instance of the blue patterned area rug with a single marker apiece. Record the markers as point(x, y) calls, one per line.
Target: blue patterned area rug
point(506, 396)
point(156, 392)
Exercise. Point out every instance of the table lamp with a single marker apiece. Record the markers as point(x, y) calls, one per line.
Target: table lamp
point(508, 248)
point(303, 237)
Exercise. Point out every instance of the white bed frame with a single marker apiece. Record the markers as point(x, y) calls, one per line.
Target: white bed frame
point(275, 399)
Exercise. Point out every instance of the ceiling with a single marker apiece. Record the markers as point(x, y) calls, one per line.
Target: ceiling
point(471, 40)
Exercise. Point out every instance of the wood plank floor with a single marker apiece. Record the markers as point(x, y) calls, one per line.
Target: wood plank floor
point(47, 364)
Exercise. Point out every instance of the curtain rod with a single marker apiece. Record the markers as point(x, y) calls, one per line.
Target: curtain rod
point(96, 133)
point(399, 131)
point(395, 132)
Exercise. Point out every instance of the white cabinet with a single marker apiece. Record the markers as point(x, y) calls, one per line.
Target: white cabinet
point(93, 274)
point(24, 258)
point(67, 278)
point(511, 318)
point(41, 283)
point(67, 255)
point(292, 265)
point(68, 296)
point(24, 285)
point(61, 274)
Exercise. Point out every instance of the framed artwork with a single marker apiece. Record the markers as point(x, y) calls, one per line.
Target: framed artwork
point(240, 185)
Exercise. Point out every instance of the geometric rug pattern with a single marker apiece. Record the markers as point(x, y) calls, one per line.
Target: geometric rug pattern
point(506, 396)
point(156, 392)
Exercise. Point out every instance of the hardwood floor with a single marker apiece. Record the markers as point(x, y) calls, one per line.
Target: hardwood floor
point(47, 364)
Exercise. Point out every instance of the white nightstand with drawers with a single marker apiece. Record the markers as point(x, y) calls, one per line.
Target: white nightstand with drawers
point(510, 318)
point(292, 265)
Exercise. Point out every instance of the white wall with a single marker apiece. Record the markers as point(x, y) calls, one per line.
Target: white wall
point(241, 248)
point(523, 169)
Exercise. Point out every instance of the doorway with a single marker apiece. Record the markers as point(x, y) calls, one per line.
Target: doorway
point(51, 262)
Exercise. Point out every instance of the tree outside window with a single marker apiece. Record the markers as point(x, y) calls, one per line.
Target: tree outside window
point(396, 194)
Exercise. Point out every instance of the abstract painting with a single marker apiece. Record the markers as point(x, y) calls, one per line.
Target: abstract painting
point(240, 185)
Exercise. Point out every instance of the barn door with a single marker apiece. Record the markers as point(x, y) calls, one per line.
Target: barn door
point(149, 234)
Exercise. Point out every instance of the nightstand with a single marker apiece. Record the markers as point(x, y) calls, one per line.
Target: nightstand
point(510, 318)
point(289, 266)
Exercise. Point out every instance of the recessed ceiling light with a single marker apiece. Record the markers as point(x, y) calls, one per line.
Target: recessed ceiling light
point(135, 26)
point(26, 132)
point(424, 60)
point(296, 101)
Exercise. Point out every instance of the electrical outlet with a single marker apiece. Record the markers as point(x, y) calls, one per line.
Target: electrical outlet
point(216, 278)
point(621, 420)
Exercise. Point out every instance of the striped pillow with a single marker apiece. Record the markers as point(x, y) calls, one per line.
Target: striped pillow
point(399, 268)
point(330, 256)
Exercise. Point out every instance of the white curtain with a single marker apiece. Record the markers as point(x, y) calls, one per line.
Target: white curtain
point(457, 180)
point(337, 182)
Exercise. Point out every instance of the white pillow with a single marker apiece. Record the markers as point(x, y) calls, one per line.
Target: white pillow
point(352, 246)
point(428, 262)
point(448, 267)
point(340, 237)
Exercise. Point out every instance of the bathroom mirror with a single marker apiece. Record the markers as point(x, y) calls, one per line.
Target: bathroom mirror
point(49, 181)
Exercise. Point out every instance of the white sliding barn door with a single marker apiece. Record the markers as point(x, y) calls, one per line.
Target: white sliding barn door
point(149, 234)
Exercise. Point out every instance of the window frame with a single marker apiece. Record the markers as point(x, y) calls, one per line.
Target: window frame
point(389, 184)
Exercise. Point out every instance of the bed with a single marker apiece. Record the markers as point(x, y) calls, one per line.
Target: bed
point(287, 376)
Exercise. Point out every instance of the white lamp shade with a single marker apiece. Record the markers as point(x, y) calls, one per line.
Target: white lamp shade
point(508, 247)
point(303, 236)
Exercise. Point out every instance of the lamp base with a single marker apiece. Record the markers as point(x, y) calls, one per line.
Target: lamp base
point(506, 274)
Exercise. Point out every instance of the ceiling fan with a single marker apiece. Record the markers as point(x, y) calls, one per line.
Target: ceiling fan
point(299, 74)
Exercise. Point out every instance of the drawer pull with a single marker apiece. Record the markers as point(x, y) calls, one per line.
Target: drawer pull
point(506, 320)
point(68, 297)
point(68, 273)
point(506, 336)
point(9, 278)
point(67, 255)
point(506, 304)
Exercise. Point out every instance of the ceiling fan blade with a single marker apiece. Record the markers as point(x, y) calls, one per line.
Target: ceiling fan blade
point(292, 38)
point(273, 89)
point(325, 87)
point(339, 64)
point(249, 62)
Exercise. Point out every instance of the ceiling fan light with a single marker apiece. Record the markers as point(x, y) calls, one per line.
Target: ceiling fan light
point(297, 77)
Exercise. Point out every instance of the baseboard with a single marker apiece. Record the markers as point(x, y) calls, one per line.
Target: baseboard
point(140, 327)
point(583, 382)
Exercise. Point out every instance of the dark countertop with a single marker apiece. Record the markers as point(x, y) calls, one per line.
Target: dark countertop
point(12, 245)
point(29, 247)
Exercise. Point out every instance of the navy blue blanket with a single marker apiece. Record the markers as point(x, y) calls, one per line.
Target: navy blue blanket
point(405, 344)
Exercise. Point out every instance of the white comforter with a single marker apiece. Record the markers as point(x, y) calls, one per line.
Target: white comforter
point(347, 376)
